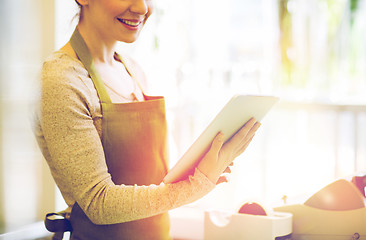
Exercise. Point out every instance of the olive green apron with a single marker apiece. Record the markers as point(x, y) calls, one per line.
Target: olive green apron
point(134, 141)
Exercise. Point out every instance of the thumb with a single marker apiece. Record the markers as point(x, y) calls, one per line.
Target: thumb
point(217, 143)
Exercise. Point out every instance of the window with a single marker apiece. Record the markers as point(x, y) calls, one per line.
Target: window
point(310, 53)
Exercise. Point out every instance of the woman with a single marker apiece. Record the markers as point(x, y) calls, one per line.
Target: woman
point(105, 140)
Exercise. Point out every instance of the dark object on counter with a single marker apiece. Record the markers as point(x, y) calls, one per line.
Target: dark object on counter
point(58, 224)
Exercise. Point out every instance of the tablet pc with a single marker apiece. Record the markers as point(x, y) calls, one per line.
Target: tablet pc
point(229, 120)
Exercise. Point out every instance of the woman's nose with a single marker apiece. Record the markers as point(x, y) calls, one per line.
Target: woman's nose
point(139, 6)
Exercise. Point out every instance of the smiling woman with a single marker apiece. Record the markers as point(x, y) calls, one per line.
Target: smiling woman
point(97, 15)
point(105, 140)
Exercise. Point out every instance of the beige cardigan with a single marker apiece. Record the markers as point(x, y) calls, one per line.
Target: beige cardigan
point(68, 131)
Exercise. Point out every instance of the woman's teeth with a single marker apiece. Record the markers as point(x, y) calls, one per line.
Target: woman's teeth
point(129, 23)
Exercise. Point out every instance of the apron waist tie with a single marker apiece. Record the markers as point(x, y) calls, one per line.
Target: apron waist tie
point(58, 224)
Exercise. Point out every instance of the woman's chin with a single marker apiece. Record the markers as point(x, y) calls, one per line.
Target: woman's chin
point(129, 39)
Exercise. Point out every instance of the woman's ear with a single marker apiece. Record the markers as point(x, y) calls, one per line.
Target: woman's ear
point(82, 2)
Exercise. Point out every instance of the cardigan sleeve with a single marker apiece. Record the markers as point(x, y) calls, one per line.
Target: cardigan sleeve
point(69, 137)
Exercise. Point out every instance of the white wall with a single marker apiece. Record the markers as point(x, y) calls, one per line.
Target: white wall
point(26, 188)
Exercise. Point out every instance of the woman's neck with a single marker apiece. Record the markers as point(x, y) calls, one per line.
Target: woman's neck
point(101, 49)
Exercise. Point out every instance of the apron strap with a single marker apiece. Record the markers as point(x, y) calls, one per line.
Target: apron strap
point(83, 53)
point(128, 67)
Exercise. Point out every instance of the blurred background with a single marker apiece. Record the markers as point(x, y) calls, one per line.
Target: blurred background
point(310, 53)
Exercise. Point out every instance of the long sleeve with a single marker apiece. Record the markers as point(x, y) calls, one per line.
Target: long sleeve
point(68, 130)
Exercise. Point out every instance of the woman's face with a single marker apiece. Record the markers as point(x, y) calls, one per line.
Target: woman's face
point(116, 20)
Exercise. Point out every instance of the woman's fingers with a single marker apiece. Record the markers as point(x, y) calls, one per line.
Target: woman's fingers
point(246, 128)
point(243, 137)
point(250, 134)
point(249, 128)
point(243, 132)
point(222, 179)
point(228, 169)
point(242, 149)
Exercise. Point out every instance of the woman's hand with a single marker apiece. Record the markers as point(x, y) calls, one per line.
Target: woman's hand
point(220, 155)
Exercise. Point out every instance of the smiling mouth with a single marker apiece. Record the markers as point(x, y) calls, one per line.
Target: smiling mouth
point(129, 22)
